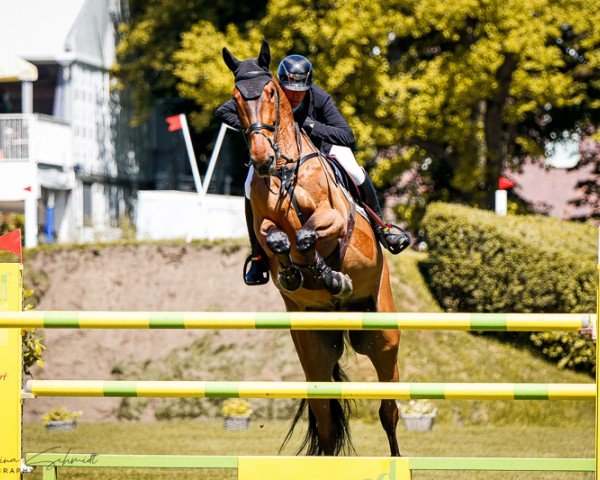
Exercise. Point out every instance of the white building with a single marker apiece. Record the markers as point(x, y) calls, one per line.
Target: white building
point(57, 148)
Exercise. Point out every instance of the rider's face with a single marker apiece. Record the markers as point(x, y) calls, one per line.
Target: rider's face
point(294, 96)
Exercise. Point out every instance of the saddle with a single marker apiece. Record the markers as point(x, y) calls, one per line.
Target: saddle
point(346, 182)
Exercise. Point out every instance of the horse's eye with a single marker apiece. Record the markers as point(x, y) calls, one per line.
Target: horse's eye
point(272, 94)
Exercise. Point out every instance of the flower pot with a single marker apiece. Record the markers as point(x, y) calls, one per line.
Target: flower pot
point(236, 423)
point(61, 425)
point(418, 423)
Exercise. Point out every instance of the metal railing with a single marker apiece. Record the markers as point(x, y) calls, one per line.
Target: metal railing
point(35, 137)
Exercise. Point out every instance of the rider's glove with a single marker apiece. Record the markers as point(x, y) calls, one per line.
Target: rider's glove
point(308, 124)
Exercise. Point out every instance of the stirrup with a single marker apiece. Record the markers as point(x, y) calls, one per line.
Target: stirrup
point(391, 229)
point(256, 271)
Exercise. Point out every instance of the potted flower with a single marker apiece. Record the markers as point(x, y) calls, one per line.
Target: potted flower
point(236, 413)
point(61, 419)
point(417, 415)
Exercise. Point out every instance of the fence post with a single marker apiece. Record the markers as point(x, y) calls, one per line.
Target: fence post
point(11, 374)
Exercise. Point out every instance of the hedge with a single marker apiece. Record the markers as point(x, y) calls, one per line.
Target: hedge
point(481, 262)
point(10, 222)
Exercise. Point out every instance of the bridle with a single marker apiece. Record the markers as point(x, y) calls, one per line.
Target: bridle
point(287, 174)
point(258, 127)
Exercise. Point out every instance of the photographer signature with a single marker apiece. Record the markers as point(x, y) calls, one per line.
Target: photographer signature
point(63, 460)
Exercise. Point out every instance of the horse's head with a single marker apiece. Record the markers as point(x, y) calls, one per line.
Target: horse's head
point(260, 104)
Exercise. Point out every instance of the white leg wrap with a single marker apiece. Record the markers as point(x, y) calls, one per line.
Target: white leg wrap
point(248, 181)
point(346, 159)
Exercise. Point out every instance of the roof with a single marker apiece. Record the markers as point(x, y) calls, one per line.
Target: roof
point(56, 31)
point(15, 69)
point(552, 189)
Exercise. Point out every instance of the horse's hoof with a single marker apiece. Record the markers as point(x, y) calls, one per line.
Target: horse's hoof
point(339, 285)
point(279, 243)
point(291, 280)
point(305, 239)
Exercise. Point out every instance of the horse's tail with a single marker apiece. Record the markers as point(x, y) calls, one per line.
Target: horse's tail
point(340, 412)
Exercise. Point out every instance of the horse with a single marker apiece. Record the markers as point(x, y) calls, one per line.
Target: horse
point(322, 254)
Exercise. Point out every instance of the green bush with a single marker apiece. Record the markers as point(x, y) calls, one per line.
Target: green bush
point(10, 222)
point(480, 262)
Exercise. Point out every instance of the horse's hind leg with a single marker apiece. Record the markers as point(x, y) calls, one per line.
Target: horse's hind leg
point(318, 353)
point(382, 349)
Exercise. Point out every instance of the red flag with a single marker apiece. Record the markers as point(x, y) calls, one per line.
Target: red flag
point(505, 183)
point(11, 242)
point(174, 122)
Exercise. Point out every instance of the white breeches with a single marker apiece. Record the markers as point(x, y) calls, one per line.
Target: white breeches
point(345, 158)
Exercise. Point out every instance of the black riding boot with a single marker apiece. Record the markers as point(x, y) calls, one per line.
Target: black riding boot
point(258, 273)
point(391, 237)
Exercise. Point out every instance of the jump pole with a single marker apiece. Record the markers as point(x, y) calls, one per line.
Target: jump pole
point(507, 322)
point(11, 376)
point(595, 328)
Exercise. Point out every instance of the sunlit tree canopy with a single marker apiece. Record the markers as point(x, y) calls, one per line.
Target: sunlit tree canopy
point(471, 87)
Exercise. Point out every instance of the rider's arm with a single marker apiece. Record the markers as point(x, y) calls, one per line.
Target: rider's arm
point(330, 126)
point(227, 113)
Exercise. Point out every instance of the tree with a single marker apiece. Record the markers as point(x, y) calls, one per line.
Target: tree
point(589, 188)
point(467, 88)
point(479, 86)
point(153, 34)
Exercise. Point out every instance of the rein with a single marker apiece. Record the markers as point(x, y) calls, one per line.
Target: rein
point(288, 175)
point(259, 126)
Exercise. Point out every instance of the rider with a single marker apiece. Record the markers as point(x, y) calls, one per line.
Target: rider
point(315, 112)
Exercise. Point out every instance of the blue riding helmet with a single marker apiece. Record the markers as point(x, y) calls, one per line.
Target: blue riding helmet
point(295, 73)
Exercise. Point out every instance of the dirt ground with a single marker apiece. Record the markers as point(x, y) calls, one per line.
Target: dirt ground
point(142, 278)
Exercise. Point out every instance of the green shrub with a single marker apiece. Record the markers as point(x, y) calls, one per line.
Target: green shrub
point(480, 262)
point(10, 222)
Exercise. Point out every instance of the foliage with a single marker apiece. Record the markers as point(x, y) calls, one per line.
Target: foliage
point(33, 349)
point(236, 407)
point(480, 262)
point(478, 83)
point(463, 86)
point(127, 227)
point(61, 414)
point(32, 342)
point(417, 408)
point(149, 40)
point(10, 222)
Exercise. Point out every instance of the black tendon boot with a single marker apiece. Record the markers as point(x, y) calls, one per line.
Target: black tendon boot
point(390, 236)
point(258, 272)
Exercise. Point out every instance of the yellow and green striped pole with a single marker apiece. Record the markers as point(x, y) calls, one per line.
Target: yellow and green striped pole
point(339, 390)
point(300, 320)
point(597, 364)
point(11, 300)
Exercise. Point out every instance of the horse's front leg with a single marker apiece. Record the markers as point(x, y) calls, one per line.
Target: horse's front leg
point(324, 224)
point(290, 277)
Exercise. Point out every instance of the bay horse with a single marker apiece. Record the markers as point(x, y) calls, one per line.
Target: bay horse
point(322, 254)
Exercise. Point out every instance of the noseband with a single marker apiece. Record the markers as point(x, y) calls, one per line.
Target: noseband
point(287, 175)
point(259, 126)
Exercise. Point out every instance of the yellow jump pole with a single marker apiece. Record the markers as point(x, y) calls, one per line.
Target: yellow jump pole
point(11, 374)
point(595, 334)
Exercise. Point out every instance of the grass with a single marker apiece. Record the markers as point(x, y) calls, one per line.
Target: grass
point(207, 437)
point(473, 428)
point(425, 356)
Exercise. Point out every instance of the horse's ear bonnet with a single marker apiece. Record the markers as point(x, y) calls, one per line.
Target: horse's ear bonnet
point(251, 75)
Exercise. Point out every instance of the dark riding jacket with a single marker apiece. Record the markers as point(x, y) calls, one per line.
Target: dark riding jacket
point(329, 128)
